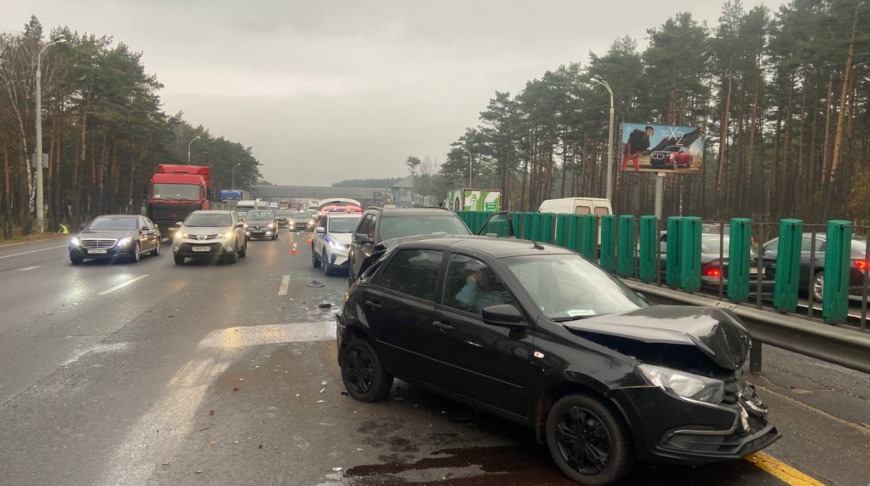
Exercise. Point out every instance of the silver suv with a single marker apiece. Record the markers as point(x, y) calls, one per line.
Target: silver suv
point(210, 235)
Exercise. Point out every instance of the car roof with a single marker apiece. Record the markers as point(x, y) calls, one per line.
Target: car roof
point(494, 247)
point(411, 211)
point(118, 216)
point(212, 211)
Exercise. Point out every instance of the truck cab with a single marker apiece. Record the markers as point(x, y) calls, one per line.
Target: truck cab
point(175, 192)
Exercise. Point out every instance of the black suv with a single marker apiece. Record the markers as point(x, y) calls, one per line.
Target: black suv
point(381, 224)
point(542, 336)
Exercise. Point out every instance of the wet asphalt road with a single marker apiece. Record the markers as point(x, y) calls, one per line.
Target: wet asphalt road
point(150, 373)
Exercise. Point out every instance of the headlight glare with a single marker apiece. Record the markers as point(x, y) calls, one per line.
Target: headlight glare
point(124, 241)
point(74, 241)
point(271, 225)
point(228, 235)
point(684, 384)
point(336, 245)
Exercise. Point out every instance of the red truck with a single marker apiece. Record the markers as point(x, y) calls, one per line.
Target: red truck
point(176, 191)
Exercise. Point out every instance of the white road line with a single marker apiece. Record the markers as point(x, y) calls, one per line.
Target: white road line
point(285, 284)
point(34, 267)
point(118, 287)
point(32, 251)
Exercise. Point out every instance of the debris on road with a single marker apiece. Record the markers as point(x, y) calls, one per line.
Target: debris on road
point(325, 305)
point(324, 382)
point(315, 283)
point(322, 390)
point(336, 469)
point(165, 464)
point(212, 443)
point(235, 388)
point(211, 412)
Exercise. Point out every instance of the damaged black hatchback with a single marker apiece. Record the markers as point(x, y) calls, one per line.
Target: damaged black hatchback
point(540, 335)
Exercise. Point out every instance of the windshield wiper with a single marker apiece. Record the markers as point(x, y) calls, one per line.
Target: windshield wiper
point(566, 319)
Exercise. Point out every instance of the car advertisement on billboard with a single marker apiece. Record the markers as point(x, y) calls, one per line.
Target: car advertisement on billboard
point(661, 148)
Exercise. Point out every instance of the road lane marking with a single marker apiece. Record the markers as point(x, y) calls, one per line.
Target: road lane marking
point(285, 284)
point(32, 251)
point(34, 267)
point(851, 425)
point(781, 470)
point(121, 286)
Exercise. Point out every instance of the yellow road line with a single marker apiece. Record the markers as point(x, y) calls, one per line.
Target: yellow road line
point(781, 470)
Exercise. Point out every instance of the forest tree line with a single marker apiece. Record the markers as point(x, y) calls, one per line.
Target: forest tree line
point(103, 130)
point(782, 98)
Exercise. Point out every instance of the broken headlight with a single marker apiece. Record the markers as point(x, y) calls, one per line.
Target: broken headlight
point(686, 385)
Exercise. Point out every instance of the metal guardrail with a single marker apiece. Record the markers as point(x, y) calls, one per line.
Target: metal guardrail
point(838, 345)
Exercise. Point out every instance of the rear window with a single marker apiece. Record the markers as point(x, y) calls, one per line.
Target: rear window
point(259, 215)
point(401, 226)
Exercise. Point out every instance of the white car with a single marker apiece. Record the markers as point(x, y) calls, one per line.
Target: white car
point(331, 241)
point(209, 235)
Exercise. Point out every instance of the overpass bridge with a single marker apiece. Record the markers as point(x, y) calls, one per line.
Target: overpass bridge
point(365, 195)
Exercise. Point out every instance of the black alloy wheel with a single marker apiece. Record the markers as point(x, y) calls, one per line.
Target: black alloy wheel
point(179, 260)
point(76, 260)
point(156, 250)
point(244, 251)
point(234, 256)
point(588, 441)
point(327, 267)
point(362, 373)
point(675, 164)
point(314, 261)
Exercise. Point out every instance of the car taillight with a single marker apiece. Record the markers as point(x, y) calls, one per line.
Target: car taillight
point(711, 269)
point(861, 264)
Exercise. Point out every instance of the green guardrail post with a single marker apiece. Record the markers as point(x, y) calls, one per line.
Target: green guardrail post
point(568, 231)
point(838, 259)
point(788, 264)
point(589, 236)
point(625, 246)
point(517, 223)
point(608, 242)
point(690, 254)
point(649, 245)
point(547, 228)
point(739, 257)
point(672, 249)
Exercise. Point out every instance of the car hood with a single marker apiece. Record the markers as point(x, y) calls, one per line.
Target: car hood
point(301, 220)
point(204, 230)
point(343, 238)
point(259, 223)
point(112, 234)
point(717, 333)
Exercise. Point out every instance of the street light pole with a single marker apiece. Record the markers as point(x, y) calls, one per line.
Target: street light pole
point(234, 175)
point(188, 146)
point(470, 159)
point(597, 79)
point(37, 151)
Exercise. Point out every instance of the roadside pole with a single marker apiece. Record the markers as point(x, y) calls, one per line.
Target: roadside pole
point(660, 187)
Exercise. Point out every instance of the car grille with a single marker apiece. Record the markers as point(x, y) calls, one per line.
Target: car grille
point(203, 237)
point(98, 243)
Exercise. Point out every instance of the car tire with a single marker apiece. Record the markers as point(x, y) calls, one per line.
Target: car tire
point(327, 268)
point(137, 254)
point(244, 251)
point(156, 250)
point(675, 164)
point(76, 260)
point(588, 440)
point(314, 261)
point(818, 287)
point(362, 373)
point(234, 256)
point(178, 259)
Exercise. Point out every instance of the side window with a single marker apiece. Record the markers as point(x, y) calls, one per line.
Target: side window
point(807, 241)
point(364, 224)
point(582, 210)
point(499, 225)
point(602, 210)
point(372, 226)
point(772, 246)
point(413, 272)
point(324, 220)
point(471, 285)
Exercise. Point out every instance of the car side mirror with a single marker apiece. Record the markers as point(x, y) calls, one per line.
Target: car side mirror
point(642, 297)
point(503, 315)
point(362, 239)
point(81, 227)
point(320, 229)
point(146, 229)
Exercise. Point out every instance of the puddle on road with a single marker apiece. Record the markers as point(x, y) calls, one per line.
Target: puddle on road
point(238, 337)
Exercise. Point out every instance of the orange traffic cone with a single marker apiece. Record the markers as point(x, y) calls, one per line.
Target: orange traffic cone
point(293, 250)
point(309, 241)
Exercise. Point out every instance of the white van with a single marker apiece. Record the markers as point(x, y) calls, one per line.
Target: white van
point(243, 207)
point(577, 205)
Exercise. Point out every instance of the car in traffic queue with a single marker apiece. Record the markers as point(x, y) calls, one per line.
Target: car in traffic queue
point(260, 223)
point(210, 235)
point(858, 264)
point(112, 236)
point(540, 335)
point(282, 217)
point(671, 157)
point(379, 224)
point(301, 221)
point(331, 241)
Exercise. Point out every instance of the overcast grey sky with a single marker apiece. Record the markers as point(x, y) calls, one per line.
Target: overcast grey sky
point(329, 90)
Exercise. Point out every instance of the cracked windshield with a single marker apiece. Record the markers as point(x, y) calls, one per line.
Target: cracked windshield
point(435, 243)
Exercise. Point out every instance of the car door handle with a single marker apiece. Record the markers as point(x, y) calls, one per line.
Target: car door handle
point(442, 325)
point(373, 304)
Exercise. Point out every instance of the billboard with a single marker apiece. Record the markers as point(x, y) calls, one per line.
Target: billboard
point(474, 200)
point(661, 148)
